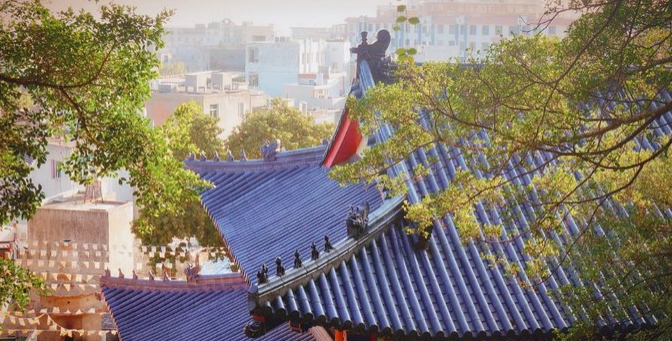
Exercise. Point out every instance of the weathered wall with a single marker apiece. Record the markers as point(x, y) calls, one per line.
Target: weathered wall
point(55, 224)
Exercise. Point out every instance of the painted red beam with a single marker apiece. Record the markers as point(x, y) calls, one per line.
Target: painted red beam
point(346, 142)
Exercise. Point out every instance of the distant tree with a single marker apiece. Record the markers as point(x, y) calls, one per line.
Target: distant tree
point(188, 130)
point(88, 79)
point(294, 130)
point(172, 68)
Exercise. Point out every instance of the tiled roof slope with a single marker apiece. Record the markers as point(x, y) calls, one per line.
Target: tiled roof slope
point(449, 290)
point(146, 310)
point(267, 209)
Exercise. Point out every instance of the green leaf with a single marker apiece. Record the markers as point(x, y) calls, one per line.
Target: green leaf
point(396, 28)
point(401, 8)
point(400, 19)
point(413, 20)
point(412, 51)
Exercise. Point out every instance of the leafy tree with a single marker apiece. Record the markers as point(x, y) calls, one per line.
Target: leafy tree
point(172, 68)
point(188, 130)
point(294, 130)
point(572, 114)
point(88, 78)
point(16, 283)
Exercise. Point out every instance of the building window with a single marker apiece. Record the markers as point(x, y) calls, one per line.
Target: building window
point(439, 29)
point(320, 93)
point(514, 30)
point(56, 169)
point(498, 30)
point(241, 110)
point(214, 110)
point(253, 55)
point(472, 30)
point(463, 29)
point(253, 79)
point(485, 30)
point(452, 29)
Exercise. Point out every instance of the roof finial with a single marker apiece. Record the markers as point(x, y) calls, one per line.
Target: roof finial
point(191, 271)
point(108, 273)
point(314, 254)
point(279, 269)
point(165, 276)
point(262, 275)
point(374, 54)
point(270, 150)
point(297, 259)
point(243, 156)
point(357, 221)
point(135, 274)
point(121, 274)
point(215, 156)
point(229, 155)
point(327, 244)
point(151, 276)
point(203, 157)
point(191, 156)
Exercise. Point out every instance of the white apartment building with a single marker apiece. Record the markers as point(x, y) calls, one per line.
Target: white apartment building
point(270, 66)
point(217, 45)
point(220, 94)
point(457, 29)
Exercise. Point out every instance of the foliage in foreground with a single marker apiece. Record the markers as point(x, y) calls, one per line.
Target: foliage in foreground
point(88, 78)
point(552, 133)
point(16, 284)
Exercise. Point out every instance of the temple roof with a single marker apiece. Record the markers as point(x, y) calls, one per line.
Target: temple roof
point(447, 289)
point(269, 209)
point(178, 310)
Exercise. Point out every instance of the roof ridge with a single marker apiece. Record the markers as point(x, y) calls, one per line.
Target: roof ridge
point(230, 281)
point(304, 156)
point(379, 221)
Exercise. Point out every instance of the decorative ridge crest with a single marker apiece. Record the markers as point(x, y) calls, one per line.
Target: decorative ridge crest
point(275, 286)
point(230, 281)
point(305, 156)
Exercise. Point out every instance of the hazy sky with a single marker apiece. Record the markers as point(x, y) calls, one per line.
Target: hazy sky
point(282, 13)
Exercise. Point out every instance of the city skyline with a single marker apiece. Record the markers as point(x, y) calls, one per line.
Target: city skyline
point(283, 15)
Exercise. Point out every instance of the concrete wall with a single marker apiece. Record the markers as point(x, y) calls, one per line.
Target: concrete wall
point(51, 223)
point(105, 224)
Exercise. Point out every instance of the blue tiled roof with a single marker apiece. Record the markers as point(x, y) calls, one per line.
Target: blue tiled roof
point(267, 209)
point(145, 310)
point(449, 290)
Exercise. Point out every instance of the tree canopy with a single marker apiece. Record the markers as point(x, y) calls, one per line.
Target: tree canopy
point(294, 130)
point(188, 130)
point(573, 128)
point(87, 77)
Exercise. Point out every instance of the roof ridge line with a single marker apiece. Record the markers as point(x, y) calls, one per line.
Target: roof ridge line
point(229, 281)
point(379, 220)
point(304, 156)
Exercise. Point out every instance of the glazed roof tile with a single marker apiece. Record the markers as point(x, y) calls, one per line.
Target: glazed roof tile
point(269, 209)
point(449, 290)
point(149, 310)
